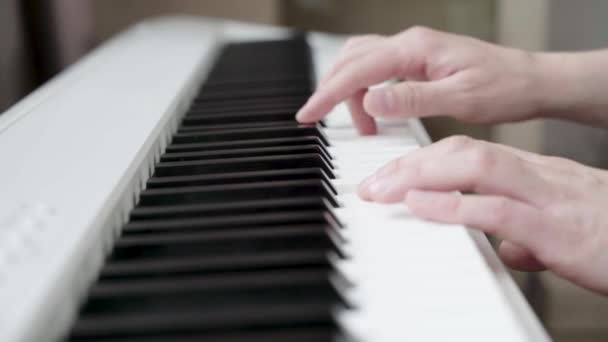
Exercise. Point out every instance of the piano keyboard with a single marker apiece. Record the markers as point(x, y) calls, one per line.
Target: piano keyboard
point(232, 238)
point(248, 227)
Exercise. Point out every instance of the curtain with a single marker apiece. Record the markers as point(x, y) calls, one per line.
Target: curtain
point(39, 38)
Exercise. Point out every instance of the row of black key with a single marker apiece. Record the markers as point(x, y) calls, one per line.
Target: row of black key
point(233, 238)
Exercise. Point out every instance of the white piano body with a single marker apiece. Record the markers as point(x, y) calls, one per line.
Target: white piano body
point(76, 152)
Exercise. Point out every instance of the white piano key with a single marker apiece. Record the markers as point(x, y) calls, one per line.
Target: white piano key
point(412, 276)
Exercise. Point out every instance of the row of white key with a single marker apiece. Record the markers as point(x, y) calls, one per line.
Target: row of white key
point(414, 280)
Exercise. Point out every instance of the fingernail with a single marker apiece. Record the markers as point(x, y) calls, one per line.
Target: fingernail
point(299, 115)
point(387, 170)
point(367, 181)
point(378, 187)
point(302, 112)
point(379, 101)
point(363, 188)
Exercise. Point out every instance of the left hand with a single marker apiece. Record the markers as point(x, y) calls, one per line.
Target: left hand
point(551, 213)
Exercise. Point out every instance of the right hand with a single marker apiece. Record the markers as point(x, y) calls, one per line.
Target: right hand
point(442, 73)
point(550, 213)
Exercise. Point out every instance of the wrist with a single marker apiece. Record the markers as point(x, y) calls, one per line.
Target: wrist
point(571, 86)
point(555, 84)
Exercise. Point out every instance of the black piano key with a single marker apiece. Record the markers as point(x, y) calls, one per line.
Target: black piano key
point(275, 316)
point(246, 221)
point(259, 116)
point(267, 66)
point(207, 291)
point(235, 208)
point(207, 128)
point(295, 45)
point(232, 242)
point(248, 164)
point(243, 107)
point(174, 267)
point(228, 84)
point(208, 295)
point(286, 76)
point(214, 285)
point(250, 143)
point(246, 106)
point(300, 334)
point(238, 177)
point(251, 133)
point(241, 52)
point(238, 192)
point(246, 152)
point(264, 69)
point(247, 93)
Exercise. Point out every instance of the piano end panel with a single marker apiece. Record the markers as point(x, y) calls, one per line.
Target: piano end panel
point(58, 274)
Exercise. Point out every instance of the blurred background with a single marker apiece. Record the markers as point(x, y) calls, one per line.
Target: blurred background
point(39, 38)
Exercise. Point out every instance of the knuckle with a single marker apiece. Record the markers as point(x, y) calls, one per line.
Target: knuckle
point(472, 103)
point(501, 213)
point(483, 159)
point(409, 171)
point(459, 142)
point(402, 162)
point(352, 41)
point(420, 36)
point(592, 180)
point(358, 40)
point(420, 32)
point(391, 167)
point(453, 206)
point(559, 161)
point(369, 37)
point(410, 98)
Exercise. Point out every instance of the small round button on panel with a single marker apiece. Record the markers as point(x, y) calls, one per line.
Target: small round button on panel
point(19, 231)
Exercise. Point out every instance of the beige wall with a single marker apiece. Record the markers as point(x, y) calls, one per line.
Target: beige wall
point(112, 16)
point(15, 78)
point(521, 24)
point(391, 16)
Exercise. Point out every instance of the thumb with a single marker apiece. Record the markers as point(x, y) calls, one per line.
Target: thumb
point(411, 99)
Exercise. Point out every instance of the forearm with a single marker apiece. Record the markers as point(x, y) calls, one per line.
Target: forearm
point(574, 86)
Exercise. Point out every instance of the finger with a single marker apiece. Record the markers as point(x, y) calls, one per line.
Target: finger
point(556, 170)
point(413, 99)
point(455, 143)
point(502, 217)
point(357, 41)
point(373, 68)
point(365, 124)
point(480, 169)
point(432, 151)
point(554, 163)
point(352, 51)
point(519, 258)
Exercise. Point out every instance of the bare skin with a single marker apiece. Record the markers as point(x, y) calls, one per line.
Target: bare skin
point(550, 212)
